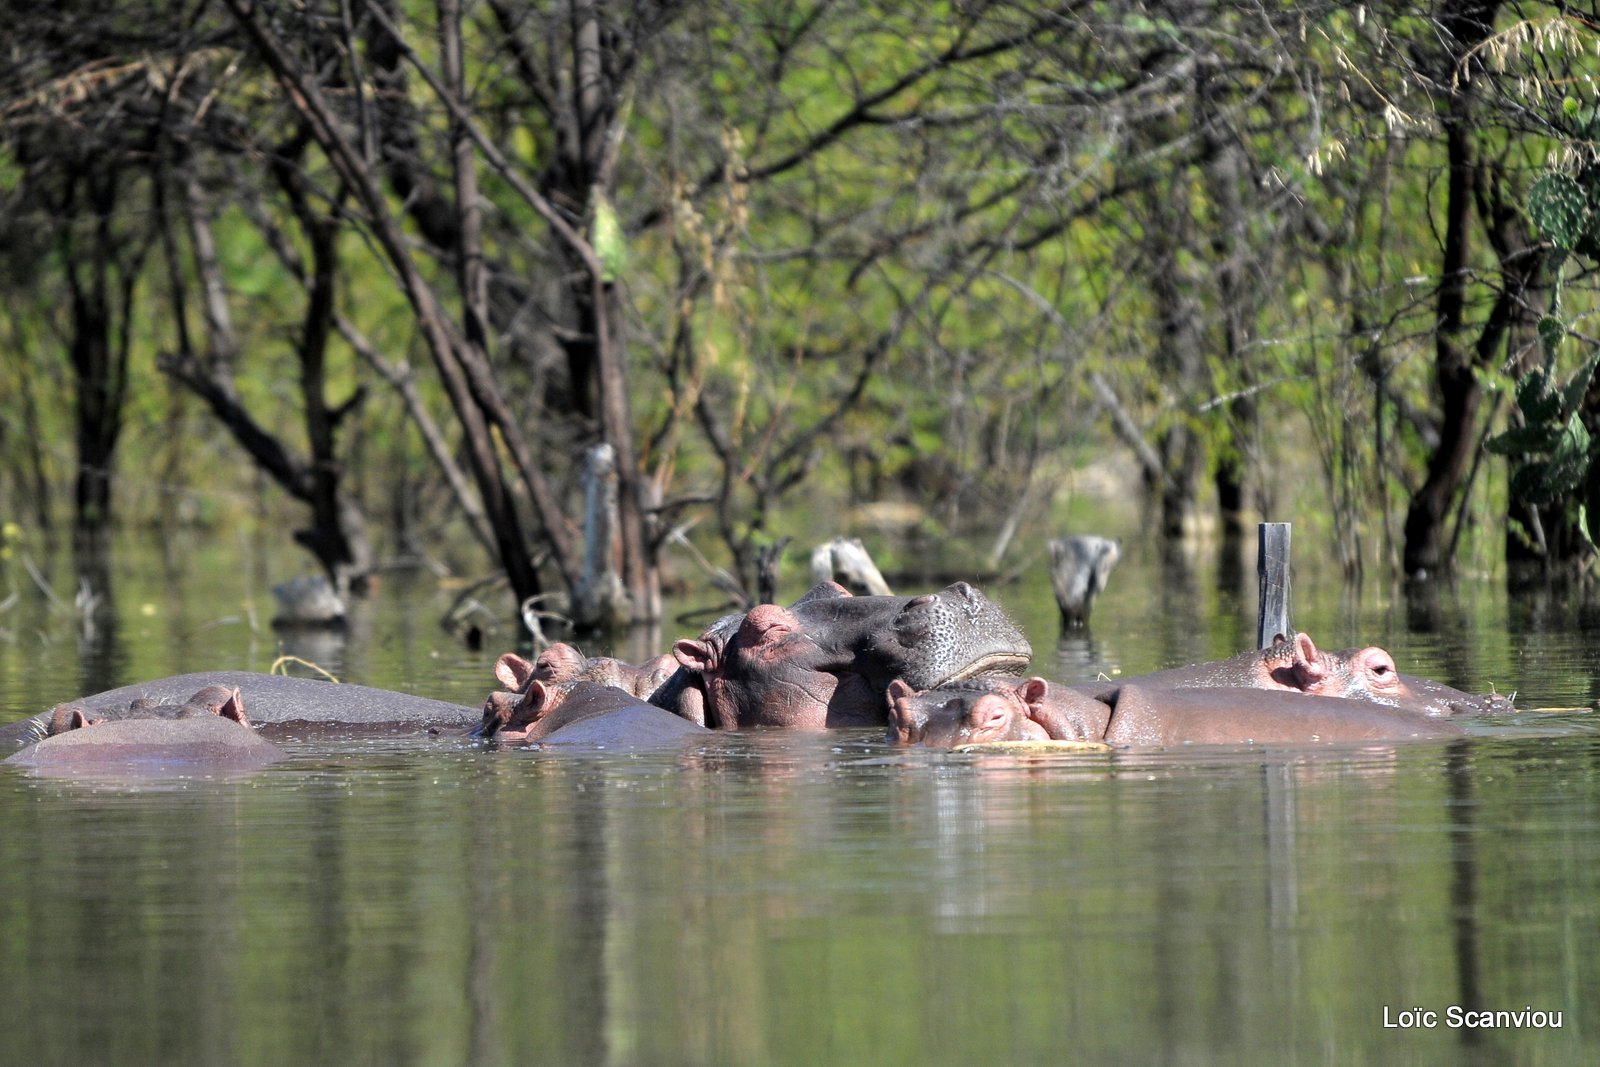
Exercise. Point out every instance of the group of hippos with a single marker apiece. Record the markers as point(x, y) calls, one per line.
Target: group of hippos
point(946, 670)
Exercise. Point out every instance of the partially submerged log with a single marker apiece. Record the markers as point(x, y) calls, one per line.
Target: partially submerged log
point(845, 560)
point(1080, 566)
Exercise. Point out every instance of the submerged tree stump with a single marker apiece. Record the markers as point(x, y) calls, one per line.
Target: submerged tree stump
point(599, 600)
point(308, 601)
point(1080, 566)
point(845, 560)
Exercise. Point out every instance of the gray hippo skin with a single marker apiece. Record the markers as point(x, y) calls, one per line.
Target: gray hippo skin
point(273, 699)
point(827, 660)
point(1357, 673)
point(1033, 709)
point(578, 712)
point(208, 732)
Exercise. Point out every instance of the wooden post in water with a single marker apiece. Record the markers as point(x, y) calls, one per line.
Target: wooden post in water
point(1272, 571)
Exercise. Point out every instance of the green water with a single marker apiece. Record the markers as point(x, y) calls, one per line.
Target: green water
point(776, 899)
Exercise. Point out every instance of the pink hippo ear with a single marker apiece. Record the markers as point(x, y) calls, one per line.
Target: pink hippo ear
point(233, 708)
point(534, 699)
point(1033, 691)
point(67, 717)
point(1308, 669)
point(696, 654)
point(513, 671)
point(905, 725)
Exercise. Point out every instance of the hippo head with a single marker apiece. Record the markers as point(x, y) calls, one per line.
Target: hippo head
point(964, 713)
point(947, 636)
point(532, 691)
point(563, 663)
point(766, 671)
point(218, 700)
point(1370, 674)
point(827, 660)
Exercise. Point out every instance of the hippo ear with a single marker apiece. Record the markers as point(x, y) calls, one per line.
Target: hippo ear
point(535, 697)
point(905, 723)
point(1309, 670)
point(233, 708)
point(1033, 691)
point(696, 654)
point(513, 671)
point(65, 717)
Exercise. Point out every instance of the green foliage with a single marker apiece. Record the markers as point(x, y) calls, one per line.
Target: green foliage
point(609, 244)
point(1553, 447)
point(1561, 207)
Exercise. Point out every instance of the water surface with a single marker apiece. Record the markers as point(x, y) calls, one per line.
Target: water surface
point(768, 898)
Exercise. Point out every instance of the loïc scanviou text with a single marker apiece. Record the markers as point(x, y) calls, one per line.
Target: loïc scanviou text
point(1456, 1017)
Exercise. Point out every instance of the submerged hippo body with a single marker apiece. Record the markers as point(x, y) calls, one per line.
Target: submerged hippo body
point(273, 699)
point(209, 731)
point(1298, 665)
point(826, 660)
point(145, 746)
point(1139, 716)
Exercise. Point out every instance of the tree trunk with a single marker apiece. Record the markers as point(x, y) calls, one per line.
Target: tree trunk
point(1467, 23)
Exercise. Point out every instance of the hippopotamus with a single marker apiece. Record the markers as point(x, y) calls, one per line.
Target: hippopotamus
point(1298, 665)
point(826, 660)
point(274, 699)
point(563, 663)
point(996, 709)
point(210, 700)
point(208, 730)
point(574, 712)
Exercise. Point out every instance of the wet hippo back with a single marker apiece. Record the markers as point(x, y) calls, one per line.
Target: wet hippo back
point(1223, 716)
point(604, 716)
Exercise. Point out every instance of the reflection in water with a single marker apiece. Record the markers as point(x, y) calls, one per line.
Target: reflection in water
point(772, 898)
point(786, 898)
point(100, 649)
point(1463, 882)
point(1078, 654)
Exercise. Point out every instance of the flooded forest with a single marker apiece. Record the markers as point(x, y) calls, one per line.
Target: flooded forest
point(481, 315)
point(381, 276)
